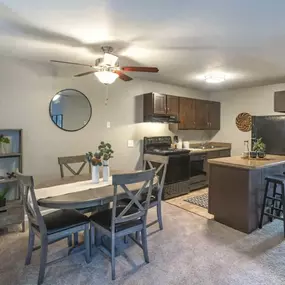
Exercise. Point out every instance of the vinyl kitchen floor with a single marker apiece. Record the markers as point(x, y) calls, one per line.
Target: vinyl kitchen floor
point(181, 203)
point(190, 250)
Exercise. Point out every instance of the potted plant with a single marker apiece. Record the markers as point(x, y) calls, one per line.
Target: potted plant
point(96, 162)
point(106, 152)
point(3, 199)
point(259, 148)
point(3, 142)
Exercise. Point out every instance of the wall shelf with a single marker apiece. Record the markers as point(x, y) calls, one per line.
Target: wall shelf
point(14, 210)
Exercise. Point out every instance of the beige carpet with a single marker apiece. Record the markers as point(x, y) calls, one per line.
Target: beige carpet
point(181, 203)
point(189, 251)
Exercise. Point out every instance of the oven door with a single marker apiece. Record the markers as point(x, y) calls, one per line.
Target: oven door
point(177, 168)
point(197, 172)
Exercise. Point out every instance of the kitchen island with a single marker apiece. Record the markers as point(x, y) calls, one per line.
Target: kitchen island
point(236, 189)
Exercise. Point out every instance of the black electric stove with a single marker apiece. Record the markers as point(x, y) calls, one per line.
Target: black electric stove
point(178, 169)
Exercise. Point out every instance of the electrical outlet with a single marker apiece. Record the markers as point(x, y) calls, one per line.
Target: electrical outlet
point(130, 143)
point(108, 125)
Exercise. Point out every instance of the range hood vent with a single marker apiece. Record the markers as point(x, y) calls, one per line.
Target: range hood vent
point(169, 119)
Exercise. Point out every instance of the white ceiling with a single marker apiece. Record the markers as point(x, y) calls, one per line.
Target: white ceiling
point(185, 39)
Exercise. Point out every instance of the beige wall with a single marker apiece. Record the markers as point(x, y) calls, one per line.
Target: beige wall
point(26, 90)
point(257, 101)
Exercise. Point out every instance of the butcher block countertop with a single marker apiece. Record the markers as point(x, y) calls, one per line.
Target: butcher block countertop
point(239, 162)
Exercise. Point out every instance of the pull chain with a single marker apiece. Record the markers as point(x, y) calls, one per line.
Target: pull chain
point(107, 95)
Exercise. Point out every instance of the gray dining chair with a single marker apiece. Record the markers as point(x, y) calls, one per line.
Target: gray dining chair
point(121, 221)
point(65, 161)
point(50, 228)
point(160, 164)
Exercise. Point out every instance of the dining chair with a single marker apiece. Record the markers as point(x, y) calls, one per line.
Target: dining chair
point(121, 221)
point(50, 228)
point(66, 160)
point(160, 164)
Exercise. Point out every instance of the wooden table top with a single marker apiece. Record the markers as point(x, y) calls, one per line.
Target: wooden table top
point(97, 194)
point(239, 162)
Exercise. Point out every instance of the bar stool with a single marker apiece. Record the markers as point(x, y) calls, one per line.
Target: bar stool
point(273, 205)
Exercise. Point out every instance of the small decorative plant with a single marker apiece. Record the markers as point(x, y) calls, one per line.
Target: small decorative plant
point(4, 139)
point(105, 150)
point(2, 197)
point(94, 159)
point(259, 146)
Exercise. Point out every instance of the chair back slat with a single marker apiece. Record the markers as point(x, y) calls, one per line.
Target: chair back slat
point(160, 164)
point(66, 160)
point(26, 185)
point(145, 181)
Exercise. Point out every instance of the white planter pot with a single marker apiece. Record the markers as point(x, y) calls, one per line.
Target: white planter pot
point(95, 174)
point(106, 171)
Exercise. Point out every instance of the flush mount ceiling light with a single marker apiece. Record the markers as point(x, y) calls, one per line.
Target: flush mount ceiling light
point(106, 77)
point(215, 78)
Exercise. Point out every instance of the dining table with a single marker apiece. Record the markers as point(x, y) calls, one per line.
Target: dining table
point(79, 192)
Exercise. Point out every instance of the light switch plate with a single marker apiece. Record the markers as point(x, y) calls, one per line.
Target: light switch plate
point(130, 143)
point(108, 125)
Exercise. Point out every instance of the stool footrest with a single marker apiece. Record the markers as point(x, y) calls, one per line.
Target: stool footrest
point(274, 216)
point(274, 198)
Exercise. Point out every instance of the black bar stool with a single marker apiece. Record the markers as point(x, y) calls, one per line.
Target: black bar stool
point(273, 205)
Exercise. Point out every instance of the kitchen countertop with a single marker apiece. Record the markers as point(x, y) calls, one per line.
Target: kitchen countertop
point(239, 162)
point(193, 150)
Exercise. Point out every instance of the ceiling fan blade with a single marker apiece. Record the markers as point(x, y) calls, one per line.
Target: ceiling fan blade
point(68, 62)
point(83, 74)
point(139, 69)
point(123, 76)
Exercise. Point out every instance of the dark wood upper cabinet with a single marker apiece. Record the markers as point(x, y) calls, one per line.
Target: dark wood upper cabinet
point(186, 113)
point(159, 104)
point(193, 114)
point(279, 101)
point(201, 115)
point(214, 114)
point(172, 105)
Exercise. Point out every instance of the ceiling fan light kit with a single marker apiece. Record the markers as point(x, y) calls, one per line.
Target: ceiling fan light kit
point(106, 77)
point(107, 68)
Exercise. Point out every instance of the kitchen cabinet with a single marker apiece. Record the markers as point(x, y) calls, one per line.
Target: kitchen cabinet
point(186, 113)
point(160, 104)
point(199, 114)
point(172, 103)
point(214, 115)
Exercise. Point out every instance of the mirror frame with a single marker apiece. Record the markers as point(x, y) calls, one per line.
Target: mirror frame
point(71, 89)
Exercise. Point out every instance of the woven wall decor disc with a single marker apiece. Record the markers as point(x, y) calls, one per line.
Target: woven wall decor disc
point(244, 122)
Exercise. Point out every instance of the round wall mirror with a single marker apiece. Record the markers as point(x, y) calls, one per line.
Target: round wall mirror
point(70, 110)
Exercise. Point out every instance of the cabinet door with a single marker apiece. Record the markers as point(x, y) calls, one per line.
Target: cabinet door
point(186, 113)
point(159, 104)
point(172, 105)
point(214, 114)
point(201, 115)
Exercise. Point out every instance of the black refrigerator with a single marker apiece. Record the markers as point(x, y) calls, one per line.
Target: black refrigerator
point(272, 131)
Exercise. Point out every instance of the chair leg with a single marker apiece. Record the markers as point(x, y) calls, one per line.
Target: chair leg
point(92, 235)
point(137, 236)
point(125, 239)
point(23, 226)
point(283, 198)
point(273, 202)
point(30, 246)
point(44, 249)
point(113, 253)
point(75, 237)
point(263, 205)
point(69, 241)
point(87, 243)
point(159, 215)
point(144, 244)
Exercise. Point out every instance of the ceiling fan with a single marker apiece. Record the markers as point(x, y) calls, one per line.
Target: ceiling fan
point(107, 68)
